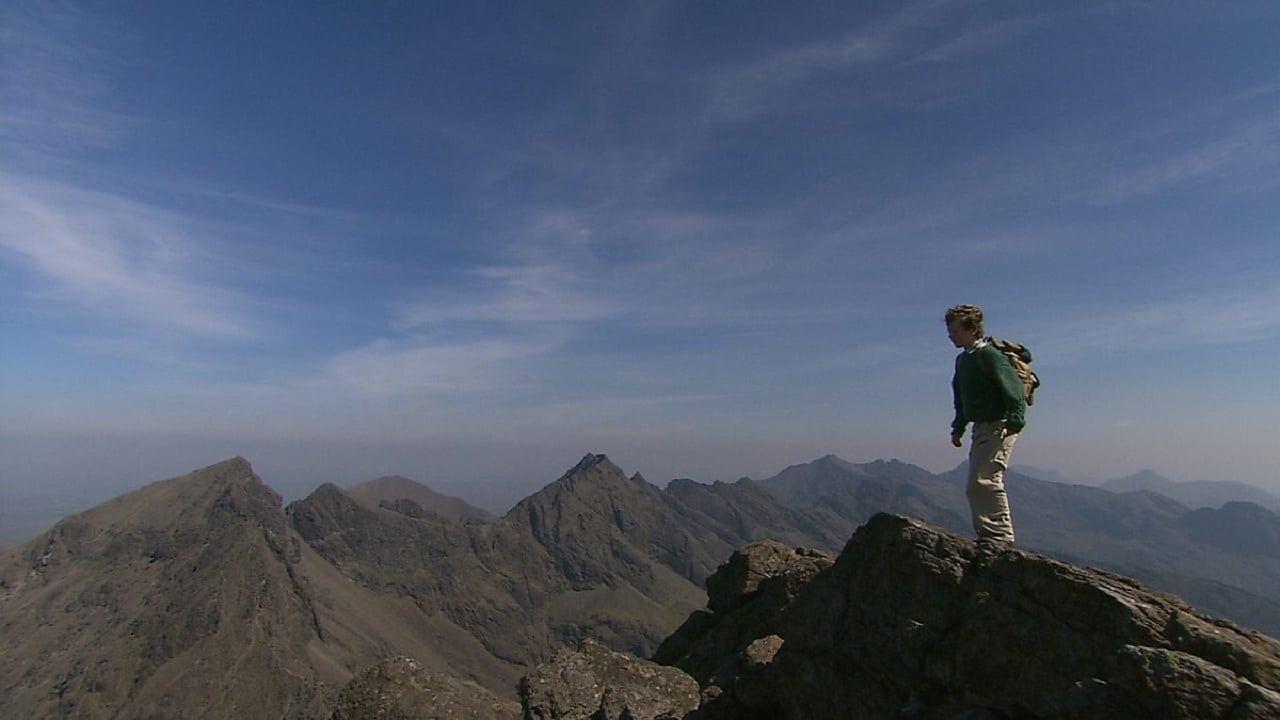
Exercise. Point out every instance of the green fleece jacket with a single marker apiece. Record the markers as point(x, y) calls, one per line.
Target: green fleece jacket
point(985, 388)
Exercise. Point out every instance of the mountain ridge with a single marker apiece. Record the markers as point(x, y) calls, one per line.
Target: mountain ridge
point(332, 585)
point(390, 488)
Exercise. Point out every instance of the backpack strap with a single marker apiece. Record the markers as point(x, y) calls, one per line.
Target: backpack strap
point(983, 365)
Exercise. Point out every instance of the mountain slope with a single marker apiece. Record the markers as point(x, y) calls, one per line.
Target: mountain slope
point(743, 509)
point(179, 594)
point(394, 487)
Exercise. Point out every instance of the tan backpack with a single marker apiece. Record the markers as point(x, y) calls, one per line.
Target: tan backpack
point(1020, 358)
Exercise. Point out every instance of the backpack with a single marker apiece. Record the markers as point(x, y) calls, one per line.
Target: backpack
point(1020, 358)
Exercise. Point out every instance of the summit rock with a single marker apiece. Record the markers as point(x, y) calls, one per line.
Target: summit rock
point(913, 620)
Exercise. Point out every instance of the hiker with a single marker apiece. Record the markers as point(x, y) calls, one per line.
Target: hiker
point(988, 393)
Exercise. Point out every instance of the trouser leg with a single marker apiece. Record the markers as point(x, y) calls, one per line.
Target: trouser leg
point(988, 457)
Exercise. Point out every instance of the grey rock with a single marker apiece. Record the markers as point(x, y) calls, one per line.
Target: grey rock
point(596, 683)
point(746, 597)
point(401, 689)
point(911, 616)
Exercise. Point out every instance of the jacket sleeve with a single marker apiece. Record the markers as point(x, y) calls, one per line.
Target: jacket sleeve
point(960, 421)
point(1011, 389)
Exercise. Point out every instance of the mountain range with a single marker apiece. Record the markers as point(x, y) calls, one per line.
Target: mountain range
point(124, 610)
point(1194, 493)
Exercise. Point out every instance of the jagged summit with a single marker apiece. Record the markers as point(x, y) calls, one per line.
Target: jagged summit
point(230, 485)
point(593, 470)
point(588, 462)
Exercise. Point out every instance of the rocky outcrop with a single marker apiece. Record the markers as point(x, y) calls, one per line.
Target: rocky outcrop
point(595, 683)
point(401, 689)
point(745, 598)
point(915, 621)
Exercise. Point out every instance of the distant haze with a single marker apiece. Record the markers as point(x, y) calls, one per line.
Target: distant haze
point(469, 246)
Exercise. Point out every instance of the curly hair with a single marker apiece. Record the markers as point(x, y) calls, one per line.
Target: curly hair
point(969, 316)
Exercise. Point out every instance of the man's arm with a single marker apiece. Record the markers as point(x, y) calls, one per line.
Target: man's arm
point(959, 423)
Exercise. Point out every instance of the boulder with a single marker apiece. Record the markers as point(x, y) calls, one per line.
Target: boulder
point(746, 596)
point(595, 683)
point(400, 689)
point(918, 621)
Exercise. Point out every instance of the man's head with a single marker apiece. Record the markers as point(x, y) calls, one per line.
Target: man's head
point(964, 325)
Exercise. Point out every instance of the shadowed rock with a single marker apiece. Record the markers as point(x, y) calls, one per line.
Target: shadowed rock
point(746, 596)
point(915, 620)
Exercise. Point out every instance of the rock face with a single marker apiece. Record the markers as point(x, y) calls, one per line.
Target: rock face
point(914, 621)
point(595, 683)
point(745, 598)
point(401, 689)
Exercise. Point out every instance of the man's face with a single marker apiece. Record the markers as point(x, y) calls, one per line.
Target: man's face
point(960, 335)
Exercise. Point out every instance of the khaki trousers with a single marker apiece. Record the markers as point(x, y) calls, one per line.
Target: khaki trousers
point(988, 457)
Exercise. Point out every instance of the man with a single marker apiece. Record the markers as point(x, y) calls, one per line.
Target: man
point(988, 393)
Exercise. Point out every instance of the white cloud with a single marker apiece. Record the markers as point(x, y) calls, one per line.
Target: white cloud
point(419, 367)
point(115, 259)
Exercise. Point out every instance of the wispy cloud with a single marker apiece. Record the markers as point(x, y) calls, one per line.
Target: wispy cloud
point(138, 270)
point(418, 367)
point(742, 91)
point(1194, 317)
point(979, 39)
point(116, 259)
point(1252, 145)
point(55, 78)
point(517, 294)
point(550, 278)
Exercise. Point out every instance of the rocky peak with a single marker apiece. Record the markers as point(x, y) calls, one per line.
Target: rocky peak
point(911, 617)
point(198, 566)
point(588, 462)
point(598, 525)
point(913, 621)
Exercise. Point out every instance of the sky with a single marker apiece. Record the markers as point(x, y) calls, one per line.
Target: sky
point(471, 242)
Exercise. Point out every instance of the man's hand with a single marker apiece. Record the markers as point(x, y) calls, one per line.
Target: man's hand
point(955, 440)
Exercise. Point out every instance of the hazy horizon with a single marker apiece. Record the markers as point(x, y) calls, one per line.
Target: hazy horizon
point(468, 243)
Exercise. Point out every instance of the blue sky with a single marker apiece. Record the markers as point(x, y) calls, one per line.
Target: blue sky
point(475, 241)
